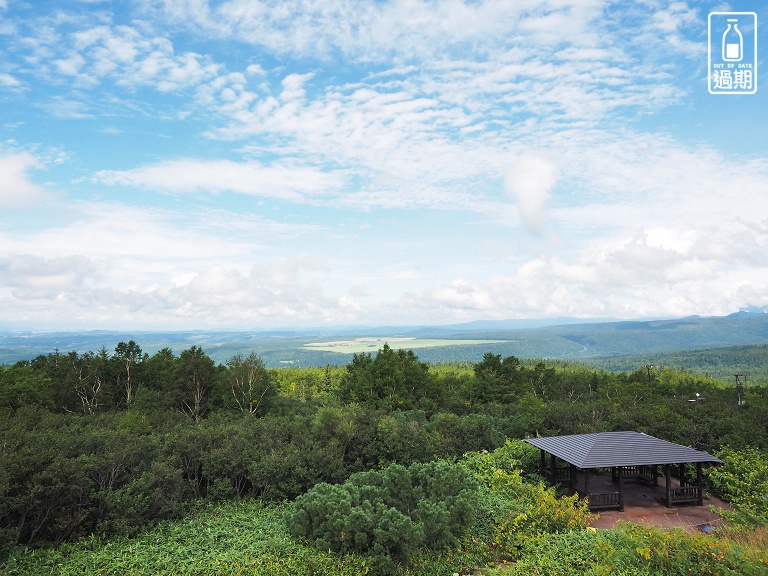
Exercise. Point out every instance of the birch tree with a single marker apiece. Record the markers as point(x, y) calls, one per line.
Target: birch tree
point(249, 383)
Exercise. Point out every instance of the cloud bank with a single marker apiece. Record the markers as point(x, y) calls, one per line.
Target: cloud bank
point(202, 164)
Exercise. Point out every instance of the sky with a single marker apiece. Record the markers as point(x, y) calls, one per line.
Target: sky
point(238, 164)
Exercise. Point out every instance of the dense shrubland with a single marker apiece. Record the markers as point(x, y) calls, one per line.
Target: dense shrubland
point(519, 527)
point(106, 444)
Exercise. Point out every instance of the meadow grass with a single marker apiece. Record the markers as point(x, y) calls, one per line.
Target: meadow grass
point(250, 538)
point(226, 539)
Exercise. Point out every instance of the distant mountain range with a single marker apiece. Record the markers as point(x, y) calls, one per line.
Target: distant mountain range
point(569, 339)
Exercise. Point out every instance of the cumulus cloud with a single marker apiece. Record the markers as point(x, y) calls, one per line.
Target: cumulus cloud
point(131, 265)
point(16, 187)
point(269, 293)
point(657, 271)
point(530, 181)
point(36, 277)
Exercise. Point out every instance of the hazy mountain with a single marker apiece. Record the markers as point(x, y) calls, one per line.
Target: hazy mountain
point(570, 339)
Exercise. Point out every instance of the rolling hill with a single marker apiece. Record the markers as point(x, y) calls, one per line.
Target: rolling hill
point(567, 341)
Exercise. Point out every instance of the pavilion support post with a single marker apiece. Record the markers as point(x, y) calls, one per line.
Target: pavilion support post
point(620, 477)
point(586, 483)
point(655, 469)
point(572, 480)
point(683, 480)
point(668, 489)
point(553, 466)
point(699, 484)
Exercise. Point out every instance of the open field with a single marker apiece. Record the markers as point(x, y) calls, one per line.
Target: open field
point(372, 344)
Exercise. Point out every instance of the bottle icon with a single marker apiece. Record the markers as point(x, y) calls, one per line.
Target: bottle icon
point(733, 43)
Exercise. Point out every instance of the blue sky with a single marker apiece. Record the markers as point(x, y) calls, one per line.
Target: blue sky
point(185, 164)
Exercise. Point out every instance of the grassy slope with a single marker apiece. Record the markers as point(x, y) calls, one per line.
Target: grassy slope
point(229, 539)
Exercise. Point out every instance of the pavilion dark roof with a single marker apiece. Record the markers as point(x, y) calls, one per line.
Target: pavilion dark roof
point(609, 449)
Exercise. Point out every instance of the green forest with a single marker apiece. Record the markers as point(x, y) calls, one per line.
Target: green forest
point(118, 461)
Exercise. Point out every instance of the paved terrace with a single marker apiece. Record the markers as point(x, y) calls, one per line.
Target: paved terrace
point(644, 505)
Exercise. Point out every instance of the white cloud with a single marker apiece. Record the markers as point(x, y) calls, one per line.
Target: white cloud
point(148, 239)
point(129, 56)
point(9, 81)
point(130, 266)
point(659, 272)
point(426, 138)
point(67, 109)
point(16, 188)
point(633, 181)
point(272, 293)
point(37, 277)
point(667, 25)
point(530, 181)
point(461, 295)
point(404, 30)
point(189, 175)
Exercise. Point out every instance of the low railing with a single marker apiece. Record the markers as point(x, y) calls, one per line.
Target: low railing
point(685, 494)
point(604, 501)
point(562, 474)
point(642, 474)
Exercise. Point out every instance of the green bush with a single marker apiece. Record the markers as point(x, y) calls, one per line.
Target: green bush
point(515, 512)
point(742, 480)
point(503, 468)
point(388, 514)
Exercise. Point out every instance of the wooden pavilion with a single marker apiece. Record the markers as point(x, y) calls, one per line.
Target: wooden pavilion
point(630, 456)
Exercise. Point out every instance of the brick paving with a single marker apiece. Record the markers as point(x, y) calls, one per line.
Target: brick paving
point(642, 505)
